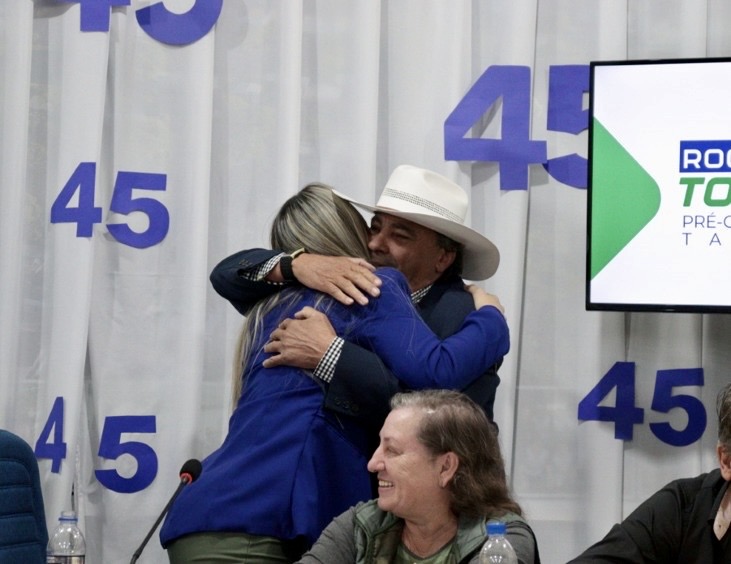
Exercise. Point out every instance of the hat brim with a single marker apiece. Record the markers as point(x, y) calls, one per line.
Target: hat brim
point(481, 257)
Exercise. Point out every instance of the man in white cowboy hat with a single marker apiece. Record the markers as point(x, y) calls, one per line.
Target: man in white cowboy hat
point(417, 227)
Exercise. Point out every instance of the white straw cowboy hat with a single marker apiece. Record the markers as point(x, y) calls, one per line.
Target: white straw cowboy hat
point(435, 202)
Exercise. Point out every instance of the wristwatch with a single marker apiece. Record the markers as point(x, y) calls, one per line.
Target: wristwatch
point(285, 264)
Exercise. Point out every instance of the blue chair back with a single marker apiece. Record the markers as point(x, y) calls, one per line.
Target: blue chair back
point(23, 532)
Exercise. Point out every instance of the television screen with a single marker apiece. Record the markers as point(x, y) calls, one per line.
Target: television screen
point(659, 187)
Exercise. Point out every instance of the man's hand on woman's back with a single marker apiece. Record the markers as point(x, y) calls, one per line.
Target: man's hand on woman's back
point(301, 341)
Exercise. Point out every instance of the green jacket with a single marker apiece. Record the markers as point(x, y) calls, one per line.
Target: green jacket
point(367, 535)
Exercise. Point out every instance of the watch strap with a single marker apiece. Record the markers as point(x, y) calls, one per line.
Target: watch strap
point(285, 265)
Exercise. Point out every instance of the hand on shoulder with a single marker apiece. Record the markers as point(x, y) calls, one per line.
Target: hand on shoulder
point(483, 298)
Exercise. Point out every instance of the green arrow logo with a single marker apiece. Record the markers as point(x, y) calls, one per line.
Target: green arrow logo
point(624, 198)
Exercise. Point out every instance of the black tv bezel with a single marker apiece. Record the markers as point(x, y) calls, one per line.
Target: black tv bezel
point(633, 307)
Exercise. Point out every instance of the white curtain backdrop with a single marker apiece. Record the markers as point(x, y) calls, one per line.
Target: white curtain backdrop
point(280, 93)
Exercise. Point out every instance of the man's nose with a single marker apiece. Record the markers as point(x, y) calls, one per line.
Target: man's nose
point(375, 242)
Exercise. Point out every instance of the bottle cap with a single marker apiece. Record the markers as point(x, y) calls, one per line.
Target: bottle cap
point(495, 528)
point(68, 516)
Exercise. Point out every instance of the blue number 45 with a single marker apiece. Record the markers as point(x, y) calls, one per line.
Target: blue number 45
point(508, 88)
point(624, 414)
point(75, 204)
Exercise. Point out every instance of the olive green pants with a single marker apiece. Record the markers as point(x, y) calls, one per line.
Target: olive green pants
point(215, 548)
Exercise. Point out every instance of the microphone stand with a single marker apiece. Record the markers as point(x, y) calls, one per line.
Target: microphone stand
point(184, 479)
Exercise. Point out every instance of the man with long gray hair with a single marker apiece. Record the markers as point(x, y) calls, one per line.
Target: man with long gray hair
point(686, 522)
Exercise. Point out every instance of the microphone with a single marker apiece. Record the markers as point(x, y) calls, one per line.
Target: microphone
point(188, 473)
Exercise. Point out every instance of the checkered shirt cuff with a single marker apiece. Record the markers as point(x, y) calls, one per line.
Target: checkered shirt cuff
point(259, 273)
point(325, 369)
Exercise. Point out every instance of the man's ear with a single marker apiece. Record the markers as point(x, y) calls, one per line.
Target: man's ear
point(724, 461)
point(445, 260)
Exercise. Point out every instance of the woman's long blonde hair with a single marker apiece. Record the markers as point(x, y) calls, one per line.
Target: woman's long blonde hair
point(321, 222)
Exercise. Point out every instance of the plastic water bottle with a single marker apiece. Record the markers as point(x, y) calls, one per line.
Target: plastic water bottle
point(66, 544)
point(497, 549)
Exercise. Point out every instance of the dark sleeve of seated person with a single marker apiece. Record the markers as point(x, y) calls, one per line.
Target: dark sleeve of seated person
point(674, 525)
